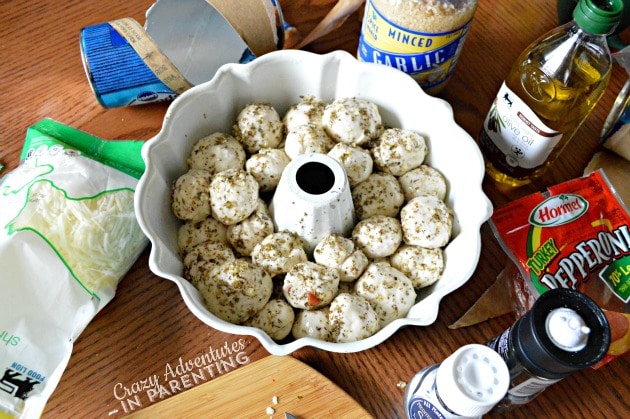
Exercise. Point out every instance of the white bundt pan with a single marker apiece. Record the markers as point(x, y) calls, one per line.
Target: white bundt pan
point(281, 78)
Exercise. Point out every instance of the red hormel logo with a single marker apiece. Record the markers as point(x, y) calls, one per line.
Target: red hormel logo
point(558, 210)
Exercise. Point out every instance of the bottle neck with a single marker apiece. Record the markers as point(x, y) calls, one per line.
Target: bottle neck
point(567, 48)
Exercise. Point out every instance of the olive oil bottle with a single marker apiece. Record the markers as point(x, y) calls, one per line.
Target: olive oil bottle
point(550, 90)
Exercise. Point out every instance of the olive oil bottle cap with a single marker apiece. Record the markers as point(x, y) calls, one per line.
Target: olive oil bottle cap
point(599, 17)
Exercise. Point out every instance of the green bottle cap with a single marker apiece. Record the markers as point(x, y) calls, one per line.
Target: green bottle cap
point(598, 17)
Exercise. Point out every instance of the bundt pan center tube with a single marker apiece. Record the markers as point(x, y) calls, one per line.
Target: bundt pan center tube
point(313, 199)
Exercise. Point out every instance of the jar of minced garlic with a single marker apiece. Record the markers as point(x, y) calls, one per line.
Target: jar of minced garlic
point(422, 38)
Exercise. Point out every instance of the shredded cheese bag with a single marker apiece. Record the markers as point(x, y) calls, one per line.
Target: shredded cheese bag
point(576, 235)
point(68, 235)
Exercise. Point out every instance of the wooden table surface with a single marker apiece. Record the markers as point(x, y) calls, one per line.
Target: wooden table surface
point(147, 326)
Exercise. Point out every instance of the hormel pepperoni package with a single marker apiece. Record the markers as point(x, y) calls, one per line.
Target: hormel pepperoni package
point(574, 235)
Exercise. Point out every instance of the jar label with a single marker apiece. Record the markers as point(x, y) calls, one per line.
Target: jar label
point(420, 407)
point(429, 57)
point(532, 386)
point(519, 135)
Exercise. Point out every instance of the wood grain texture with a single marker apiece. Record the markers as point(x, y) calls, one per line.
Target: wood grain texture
point(147, 329)
point(283, 384)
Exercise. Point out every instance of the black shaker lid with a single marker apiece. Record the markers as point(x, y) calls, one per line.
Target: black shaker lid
point(540, 355)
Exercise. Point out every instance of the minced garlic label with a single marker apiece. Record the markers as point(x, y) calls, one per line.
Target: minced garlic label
point(429, 57)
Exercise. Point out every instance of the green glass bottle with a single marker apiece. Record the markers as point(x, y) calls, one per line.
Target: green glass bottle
point(550, 90)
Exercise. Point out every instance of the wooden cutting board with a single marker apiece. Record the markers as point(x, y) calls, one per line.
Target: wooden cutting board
point(249, 390)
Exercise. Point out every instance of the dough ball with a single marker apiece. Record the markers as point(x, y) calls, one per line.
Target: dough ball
point(217, 152)
point(353, 266)
point(397, 151)
point(307, 139)
point(388, 290)
point(202, 261)
point(379, 194)
point(191, 195)
point(356, 161)
point(239, 290)
point(310, 286)
point(423, 180)
point(378, 236)
point(335, 251)
point(308, 111)
point(422, 265)
point(312, 323)
point(351, 318)
point(258, 126)
point(278, 252)
point(192, 233)
point(234, 195)
point(246, 234)
point(332, 250)
point(266, 167)
point(426, 222)
point(276, 319)
point(352, 120)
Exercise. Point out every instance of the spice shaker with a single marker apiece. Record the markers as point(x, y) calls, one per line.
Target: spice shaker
point(550, 90)
point(564, 332)
point(422, 38)
point(466, 384)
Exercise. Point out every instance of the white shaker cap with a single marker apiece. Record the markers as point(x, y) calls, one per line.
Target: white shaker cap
point(472, 380)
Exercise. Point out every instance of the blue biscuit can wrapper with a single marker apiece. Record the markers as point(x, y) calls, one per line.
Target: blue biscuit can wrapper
point(182, 44)
point(117, 74)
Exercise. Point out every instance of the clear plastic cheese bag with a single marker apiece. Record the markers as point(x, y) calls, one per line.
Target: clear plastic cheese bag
point(68, 235)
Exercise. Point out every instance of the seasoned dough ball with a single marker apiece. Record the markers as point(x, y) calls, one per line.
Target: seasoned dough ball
point(388, 290)
point(308, 111)
point(203, 261)
point(426, 222)
point(355, 160)
point(267, 166)
point(399, 150)
point(234, 195)
point(312, 323)
point(332, 250)
point(423, 180)
point(246, 234)
point(352, 120)
point(217, 152)
point(238, 291)
point(310, 286)
point(379, 194)
point(378, 236)
point(191, 195)
point(258, 125)
point(307, 139)
point(335, 251)
point(422, 265)
point(278, 252)
point(192, 233)
point(276, 319)
point(351, 318)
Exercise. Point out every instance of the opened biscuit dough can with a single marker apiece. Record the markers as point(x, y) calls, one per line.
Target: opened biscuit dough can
point(182, 44)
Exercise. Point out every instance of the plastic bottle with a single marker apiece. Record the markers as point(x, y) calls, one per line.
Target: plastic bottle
point(466, 384)
point(550, 90)
point(422, 38)
point(564, 332)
